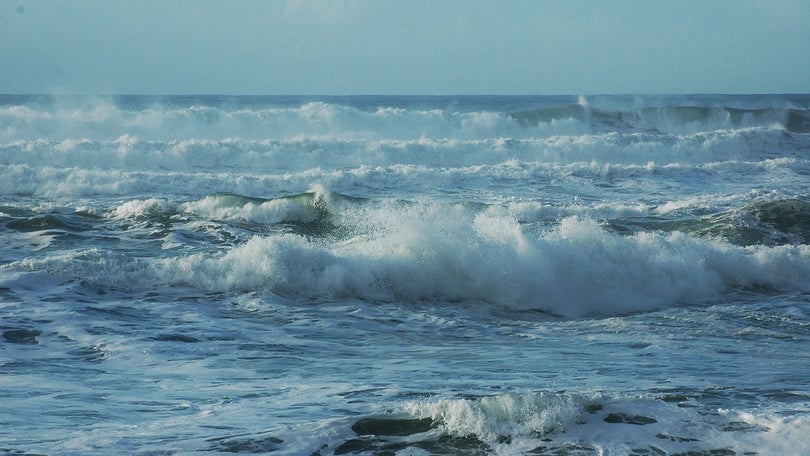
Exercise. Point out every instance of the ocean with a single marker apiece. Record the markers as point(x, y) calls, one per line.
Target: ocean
point(405, 275)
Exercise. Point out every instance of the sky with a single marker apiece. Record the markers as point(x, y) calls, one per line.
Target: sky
point(307, 47)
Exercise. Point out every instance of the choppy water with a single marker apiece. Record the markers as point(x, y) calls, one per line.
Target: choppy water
point(405, 275)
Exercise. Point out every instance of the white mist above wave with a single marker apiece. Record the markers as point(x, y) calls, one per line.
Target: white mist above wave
point(390, 118)
point(104, 120)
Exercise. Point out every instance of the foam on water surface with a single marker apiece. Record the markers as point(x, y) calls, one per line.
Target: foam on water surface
point(324, 247)
point(404, 275)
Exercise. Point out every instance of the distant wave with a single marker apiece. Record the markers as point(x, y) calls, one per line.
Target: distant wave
point(161, 119)
point(130, 165)
point(670, 118)
point(104, 120)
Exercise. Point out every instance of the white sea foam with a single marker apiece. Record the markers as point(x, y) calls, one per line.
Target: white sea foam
point(515, 424)
point(176, 271)
point(448, 254)
point(575, 269)
point(143, 208)
point(493, 417)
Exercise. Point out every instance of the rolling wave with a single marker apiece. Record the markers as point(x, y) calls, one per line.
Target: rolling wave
point(322, 246)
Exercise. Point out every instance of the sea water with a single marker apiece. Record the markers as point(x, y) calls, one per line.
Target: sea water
point(603, 275)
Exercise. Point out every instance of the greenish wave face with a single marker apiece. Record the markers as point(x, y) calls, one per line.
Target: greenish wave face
point(668, 119)
point(765, 222)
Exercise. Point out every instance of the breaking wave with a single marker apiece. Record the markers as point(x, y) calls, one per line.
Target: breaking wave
point(322, 246)
point(555, 423)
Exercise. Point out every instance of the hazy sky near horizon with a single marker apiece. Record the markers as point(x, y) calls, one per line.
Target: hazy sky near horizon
point(404, 46)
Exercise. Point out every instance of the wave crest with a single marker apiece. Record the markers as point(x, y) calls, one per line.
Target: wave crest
point(491, 418)
point(576, 269)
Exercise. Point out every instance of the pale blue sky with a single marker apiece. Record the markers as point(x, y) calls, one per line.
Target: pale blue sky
point(404, 46)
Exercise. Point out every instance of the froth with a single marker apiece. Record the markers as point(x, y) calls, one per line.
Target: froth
point(442, 254)
point(220, 207)
point(518, 423)
point(493, 417)
point(143, 208)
